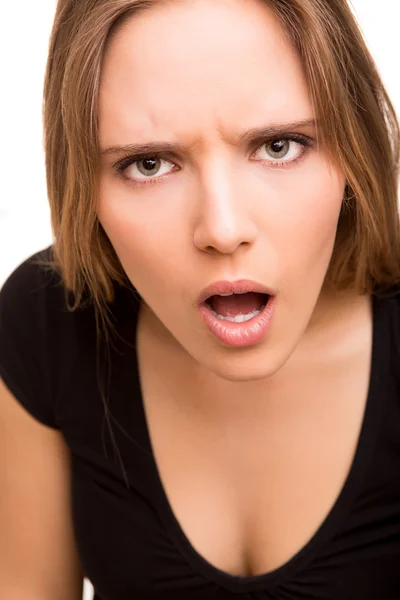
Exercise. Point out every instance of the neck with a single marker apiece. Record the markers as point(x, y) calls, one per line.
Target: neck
point(333, 334)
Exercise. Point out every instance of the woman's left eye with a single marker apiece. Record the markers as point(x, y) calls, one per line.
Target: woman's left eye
point(283, 151)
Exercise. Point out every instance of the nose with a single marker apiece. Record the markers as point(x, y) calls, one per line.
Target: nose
point(223, 220)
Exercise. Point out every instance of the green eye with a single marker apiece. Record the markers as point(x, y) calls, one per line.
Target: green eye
point(278, 148)
point(148, 166)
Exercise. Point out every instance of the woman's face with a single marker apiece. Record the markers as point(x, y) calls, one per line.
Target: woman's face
point(192, 85)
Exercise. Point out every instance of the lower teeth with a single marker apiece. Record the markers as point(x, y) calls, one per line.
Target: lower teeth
point(239, 318)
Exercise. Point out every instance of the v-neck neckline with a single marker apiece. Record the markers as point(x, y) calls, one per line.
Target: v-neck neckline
point(364, 449)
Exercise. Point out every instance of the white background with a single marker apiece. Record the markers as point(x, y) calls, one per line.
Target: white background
point(26, 24)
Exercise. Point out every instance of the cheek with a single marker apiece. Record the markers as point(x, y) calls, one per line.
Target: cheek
point(140, 237)
point(312, 219)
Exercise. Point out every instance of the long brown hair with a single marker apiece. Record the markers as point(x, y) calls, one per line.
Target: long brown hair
point(356, 123)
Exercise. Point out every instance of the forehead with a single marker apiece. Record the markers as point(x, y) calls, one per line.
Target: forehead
point(186, 68)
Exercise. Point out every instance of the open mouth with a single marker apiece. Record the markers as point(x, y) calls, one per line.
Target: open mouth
point(239, 318)
point(237, 307)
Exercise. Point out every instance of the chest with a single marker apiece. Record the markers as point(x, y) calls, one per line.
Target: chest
point(249, 493)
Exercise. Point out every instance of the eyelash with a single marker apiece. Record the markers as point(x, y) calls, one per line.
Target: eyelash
point(129, 160)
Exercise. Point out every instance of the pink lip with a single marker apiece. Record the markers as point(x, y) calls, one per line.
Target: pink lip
point(237, 335)
point(227, 287)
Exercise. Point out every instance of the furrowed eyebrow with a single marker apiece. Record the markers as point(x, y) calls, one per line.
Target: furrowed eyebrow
point(275, 130)
point(149, 148)
point(171, 148)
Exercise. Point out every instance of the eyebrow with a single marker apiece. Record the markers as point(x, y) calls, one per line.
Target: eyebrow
point(248, 136)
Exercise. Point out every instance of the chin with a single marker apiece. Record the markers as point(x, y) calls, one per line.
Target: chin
point(255, 365)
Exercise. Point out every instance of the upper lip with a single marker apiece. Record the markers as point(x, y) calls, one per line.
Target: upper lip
point(227, 287)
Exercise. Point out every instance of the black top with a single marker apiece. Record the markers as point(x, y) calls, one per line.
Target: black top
point(129, 541)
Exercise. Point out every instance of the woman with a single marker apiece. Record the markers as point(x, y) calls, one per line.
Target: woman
point(200, 394)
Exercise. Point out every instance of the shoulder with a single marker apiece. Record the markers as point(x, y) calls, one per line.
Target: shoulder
point(34, 297)
point(28, 284)
point(387, 320)
point(36, 332)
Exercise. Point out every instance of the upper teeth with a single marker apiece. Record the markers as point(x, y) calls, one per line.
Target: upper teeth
point(232, 293)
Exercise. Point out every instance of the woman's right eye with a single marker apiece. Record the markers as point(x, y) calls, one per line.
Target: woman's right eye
point(143, 170)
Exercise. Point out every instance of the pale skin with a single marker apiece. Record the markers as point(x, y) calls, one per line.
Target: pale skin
point(263, 436)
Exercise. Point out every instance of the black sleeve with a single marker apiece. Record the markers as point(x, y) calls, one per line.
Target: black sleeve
point(24, 359)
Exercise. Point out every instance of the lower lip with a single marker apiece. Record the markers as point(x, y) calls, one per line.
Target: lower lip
point(240, 335)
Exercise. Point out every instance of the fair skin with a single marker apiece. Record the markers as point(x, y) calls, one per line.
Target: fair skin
point(38, 556)
point(218, 214)
point(224, 207)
